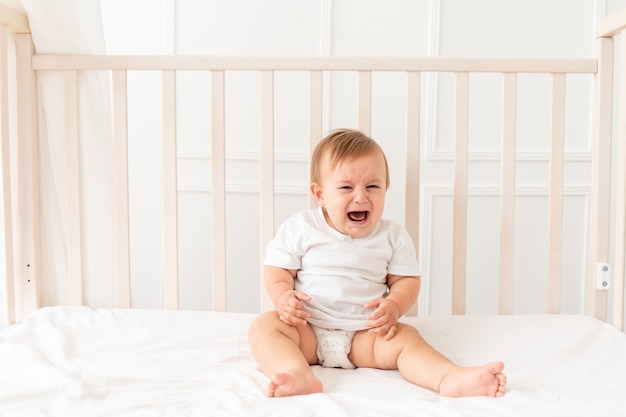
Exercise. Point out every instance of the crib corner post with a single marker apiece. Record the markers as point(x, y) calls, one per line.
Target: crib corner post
point(6, 163)
point(599, 214)
point(28, 251)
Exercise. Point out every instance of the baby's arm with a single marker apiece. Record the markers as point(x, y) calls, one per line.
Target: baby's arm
point(289, 304)
point(403, 291)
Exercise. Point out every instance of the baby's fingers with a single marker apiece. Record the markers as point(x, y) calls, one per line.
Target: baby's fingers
point(375, 320)
point(293, 316)
point(373, 303)
point(301, 296)
point(391, 332)
point(387, 331)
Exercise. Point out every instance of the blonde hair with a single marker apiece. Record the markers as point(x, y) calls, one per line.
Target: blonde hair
point(341, 145)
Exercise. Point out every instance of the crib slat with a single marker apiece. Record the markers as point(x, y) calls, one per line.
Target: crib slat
point(122, 226)
point(170, 192)
point(72, 162)
point(218, 194)
point(266, 194)
point(5, 153)
point(413, 121)
point(555, 195)
point(28, 212)
point(599, 213)
point(620, 197)
point(555, 204)
point(459, 238)
point(365, 102)
point(507, 201)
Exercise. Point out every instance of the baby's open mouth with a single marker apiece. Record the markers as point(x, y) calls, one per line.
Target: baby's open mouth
point(358, 216)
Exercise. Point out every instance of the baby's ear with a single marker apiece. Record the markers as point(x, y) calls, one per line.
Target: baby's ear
point(317, 193)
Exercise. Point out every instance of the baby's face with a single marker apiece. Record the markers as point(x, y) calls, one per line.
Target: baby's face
point(353, 194)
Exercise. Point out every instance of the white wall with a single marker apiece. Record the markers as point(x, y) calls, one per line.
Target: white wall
point(560, 28)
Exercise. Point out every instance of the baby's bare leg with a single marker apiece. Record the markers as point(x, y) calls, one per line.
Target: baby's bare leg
point(283, 353)
point(422, 365)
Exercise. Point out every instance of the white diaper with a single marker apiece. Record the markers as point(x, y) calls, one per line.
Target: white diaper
point(333, 347)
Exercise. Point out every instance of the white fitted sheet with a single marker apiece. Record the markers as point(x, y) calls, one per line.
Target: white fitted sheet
point(65, 361)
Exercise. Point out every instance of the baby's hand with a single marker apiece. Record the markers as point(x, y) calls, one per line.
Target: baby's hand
point(290, 307)
point(385, 317)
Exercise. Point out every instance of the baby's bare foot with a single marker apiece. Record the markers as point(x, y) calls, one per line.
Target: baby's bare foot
point(487, 380)
point(283, 385)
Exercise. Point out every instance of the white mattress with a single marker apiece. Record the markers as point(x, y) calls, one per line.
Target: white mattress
point(65, 361)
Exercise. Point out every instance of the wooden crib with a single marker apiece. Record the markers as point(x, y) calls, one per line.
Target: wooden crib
point(539, 384)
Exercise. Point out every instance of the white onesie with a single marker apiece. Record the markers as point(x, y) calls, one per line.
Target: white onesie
point(340, 273)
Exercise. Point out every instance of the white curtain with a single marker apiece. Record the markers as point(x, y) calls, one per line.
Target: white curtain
point(74, 26)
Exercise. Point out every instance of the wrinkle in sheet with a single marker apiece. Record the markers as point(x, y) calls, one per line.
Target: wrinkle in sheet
point(140, 363)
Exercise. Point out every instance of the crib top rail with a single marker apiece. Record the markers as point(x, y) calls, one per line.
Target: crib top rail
point(60, 62)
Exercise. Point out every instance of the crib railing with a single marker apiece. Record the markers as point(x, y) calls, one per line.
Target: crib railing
point(27, 274)
point(266, 66)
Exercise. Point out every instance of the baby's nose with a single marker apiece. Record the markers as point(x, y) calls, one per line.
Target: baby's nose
point(360, 195)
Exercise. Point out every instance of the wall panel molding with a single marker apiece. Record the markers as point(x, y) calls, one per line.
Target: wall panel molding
point(240, 188)
point(242, 155)
point(431, 81)
point(495, 156)
point(245, 157)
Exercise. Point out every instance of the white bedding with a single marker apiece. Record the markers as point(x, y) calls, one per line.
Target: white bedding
point(65, 361)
